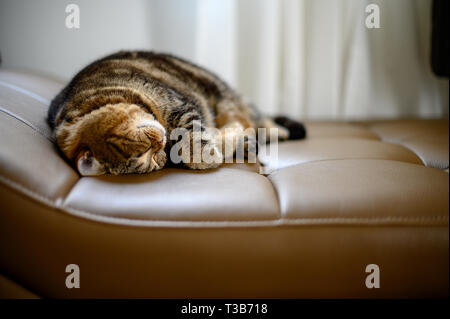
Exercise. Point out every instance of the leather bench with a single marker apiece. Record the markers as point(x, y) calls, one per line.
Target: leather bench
point(350, 195)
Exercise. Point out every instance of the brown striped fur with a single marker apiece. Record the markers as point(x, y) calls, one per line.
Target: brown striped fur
point(115, 116)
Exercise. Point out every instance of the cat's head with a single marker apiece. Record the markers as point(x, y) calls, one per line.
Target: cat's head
point(116, 139)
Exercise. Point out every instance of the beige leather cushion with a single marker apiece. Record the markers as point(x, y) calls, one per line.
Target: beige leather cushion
point(428, 139)
point(174, 194)
point(200, 260)
point(344, 198)
point(338, 130)
point(375, 190)
point(327, 149)
point(30, 161)
point(40, 87)
point(28, 158)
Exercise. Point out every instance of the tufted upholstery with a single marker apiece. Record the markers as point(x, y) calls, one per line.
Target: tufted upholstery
point(351, 194)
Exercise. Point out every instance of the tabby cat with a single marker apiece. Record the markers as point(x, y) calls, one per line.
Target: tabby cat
point(116, 115)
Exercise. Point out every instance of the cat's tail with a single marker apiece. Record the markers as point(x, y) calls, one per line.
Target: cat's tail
point(296, 129)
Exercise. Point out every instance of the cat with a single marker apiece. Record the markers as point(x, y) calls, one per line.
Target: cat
point(116, 115)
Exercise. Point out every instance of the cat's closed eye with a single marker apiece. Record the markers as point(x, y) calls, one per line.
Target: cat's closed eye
point(141, 154)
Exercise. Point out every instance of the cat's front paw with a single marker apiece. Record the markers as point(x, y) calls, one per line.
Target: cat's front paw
point(158, 160)
point(211, 157)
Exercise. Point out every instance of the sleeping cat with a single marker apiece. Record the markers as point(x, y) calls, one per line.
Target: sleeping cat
point(116, 115)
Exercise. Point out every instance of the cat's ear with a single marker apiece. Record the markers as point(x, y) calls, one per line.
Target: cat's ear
point(88, 165)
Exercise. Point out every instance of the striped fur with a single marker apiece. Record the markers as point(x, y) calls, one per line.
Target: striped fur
point(115, 116)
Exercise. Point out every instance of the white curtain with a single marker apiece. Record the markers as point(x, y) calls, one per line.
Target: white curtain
point(312, 59)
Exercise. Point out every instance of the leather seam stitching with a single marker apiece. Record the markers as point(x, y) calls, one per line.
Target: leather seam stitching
point(399, 142)
point(27, 123)
point(345, 159)
point(26, 92)
point(377, 221)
